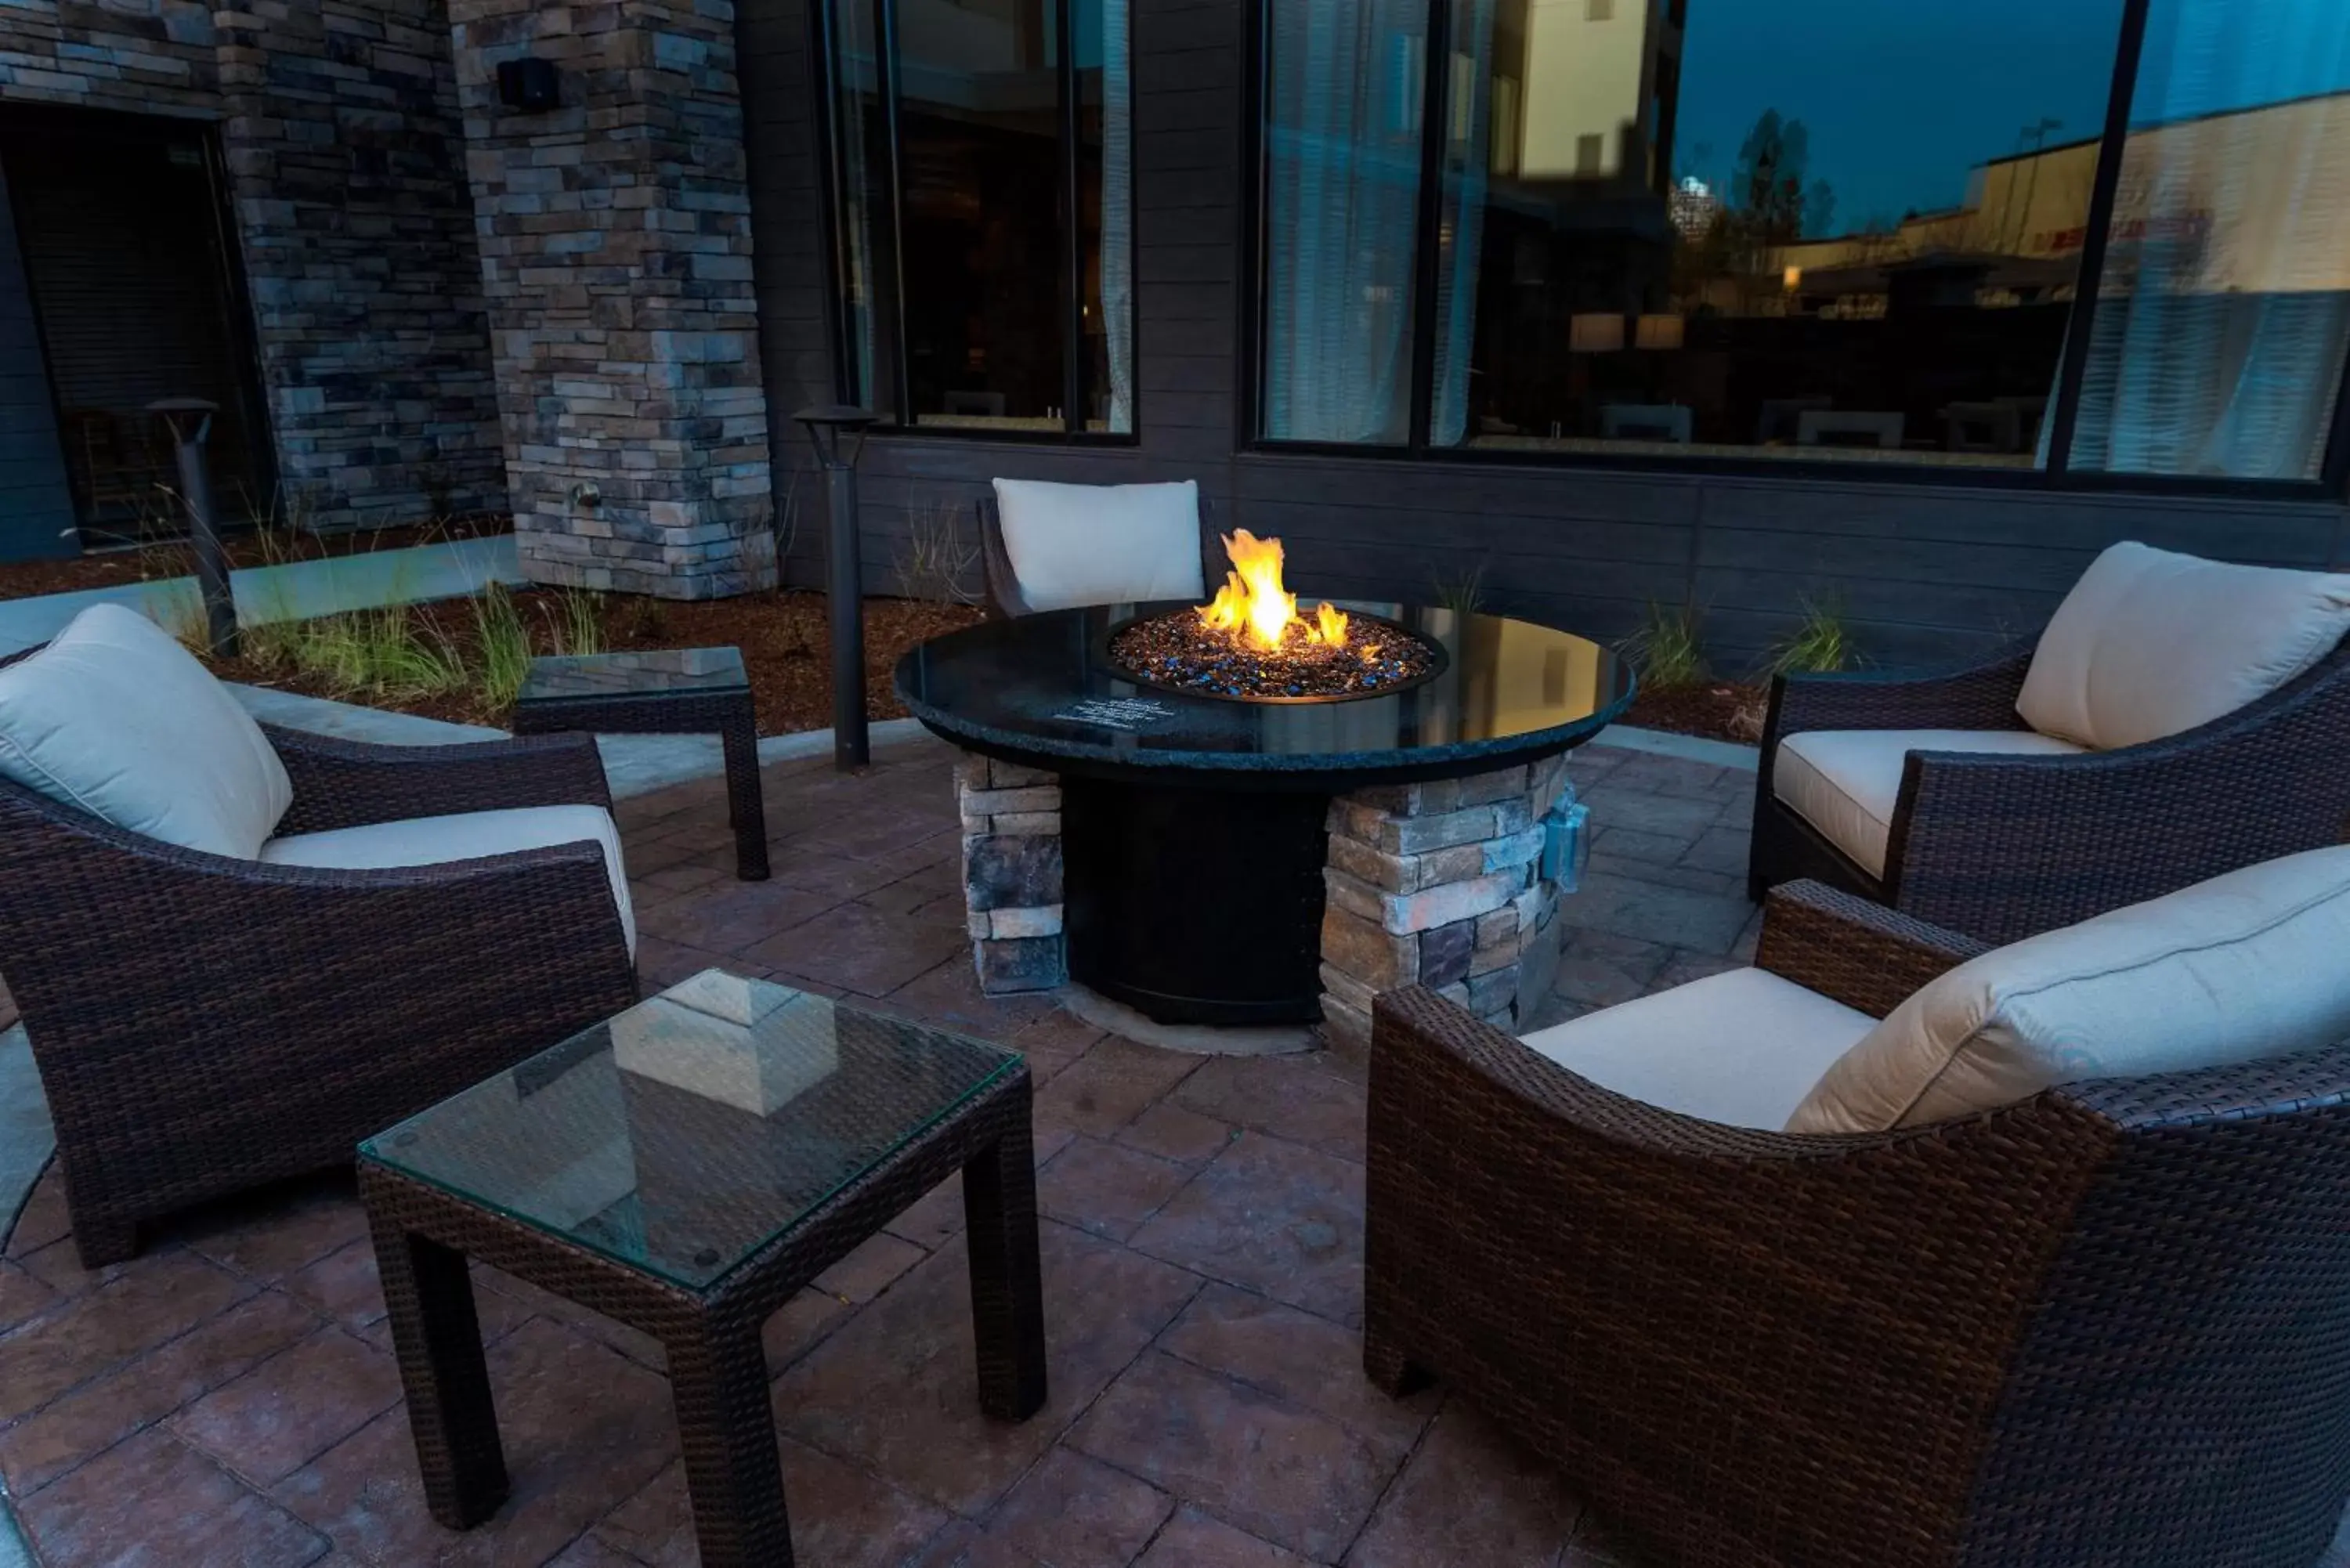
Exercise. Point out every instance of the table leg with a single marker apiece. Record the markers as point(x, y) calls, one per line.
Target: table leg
point(1007, 1287)
point(438, 1340)
point(734, 1473)
point(746, 812)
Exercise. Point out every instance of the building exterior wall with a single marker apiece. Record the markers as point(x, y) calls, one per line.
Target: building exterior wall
point(37, 515)
point(616, 248)
point(338, 124)
point(1921, 569)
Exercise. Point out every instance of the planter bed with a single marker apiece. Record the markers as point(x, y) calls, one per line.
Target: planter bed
point(783, 637)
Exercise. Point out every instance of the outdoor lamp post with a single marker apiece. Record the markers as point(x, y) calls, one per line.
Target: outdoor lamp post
point(838, 432)
point(189, 420)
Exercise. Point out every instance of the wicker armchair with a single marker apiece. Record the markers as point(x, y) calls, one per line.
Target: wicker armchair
point(2006, 846)
point(2107, 1325)
point(203, 1024)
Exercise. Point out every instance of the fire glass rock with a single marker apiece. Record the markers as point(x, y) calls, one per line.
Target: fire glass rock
point(1176, 650)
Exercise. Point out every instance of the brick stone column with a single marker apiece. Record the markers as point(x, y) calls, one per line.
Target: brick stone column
point(616, 263)
point(1441, 884)
point(1012, 874)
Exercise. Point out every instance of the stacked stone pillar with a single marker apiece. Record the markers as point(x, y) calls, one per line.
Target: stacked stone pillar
point(616, 263)
point(1012, 874)
point(1441, 884)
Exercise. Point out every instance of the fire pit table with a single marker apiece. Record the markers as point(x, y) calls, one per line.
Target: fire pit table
point(1176, 830)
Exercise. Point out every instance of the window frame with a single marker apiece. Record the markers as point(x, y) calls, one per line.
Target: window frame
point(2331, 484)
point(834, 207)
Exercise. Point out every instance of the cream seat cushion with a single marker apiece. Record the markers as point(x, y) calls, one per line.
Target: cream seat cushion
point(2243, 966)
point(1844, 782)
point(114, 717)
point(2149, 644)
point(471, 836)
point(1074, 545)
point(1739, 1048)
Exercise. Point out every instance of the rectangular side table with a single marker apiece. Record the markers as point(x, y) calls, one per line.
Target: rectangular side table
point(673, 691)
point(685, 1169)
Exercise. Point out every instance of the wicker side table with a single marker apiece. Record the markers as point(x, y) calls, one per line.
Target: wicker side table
point(674, 692)
point(685, 1169)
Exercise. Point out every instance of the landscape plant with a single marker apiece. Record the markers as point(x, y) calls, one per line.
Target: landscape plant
point(1669, 649)
point(1821, 643)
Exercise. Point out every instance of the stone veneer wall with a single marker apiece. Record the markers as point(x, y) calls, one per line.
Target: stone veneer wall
point(616, 253)
point(1012, 874)
point(1439, 885)
point(338, 122)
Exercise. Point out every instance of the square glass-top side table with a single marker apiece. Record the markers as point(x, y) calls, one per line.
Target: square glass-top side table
point(686, 1167)
point(660, 692)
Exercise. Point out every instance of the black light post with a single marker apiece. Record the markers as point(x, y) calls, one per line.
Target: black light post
point(189, 420)
point(837, 433)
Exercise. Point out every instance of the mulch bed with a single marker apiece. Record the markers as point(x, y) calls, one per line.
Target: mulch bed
point(784, 638)
point(1717, 710)
point(171, 558)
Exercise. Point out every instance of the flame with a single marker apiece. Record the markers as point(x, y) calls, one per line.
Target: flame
point(1252, 603)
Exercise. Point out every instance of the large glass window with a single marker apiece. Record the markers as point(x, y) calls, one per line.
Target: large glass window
point(1344, 93)
point(1810, 229)
point(985, 173)
point(2216, 342)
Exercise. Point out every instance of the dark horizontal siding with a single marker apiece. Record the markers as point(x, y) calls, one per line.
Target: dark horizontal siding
point(1919, 571)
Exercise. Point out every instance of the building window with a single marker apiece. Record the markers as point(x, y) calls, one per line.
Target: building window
point(1344, 92)
point(983, 167)
point(2216, 343)
point(1759, 233)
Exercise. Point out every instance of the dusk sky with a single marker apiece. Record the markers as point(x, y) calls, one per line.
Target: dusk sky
point(1902, 97)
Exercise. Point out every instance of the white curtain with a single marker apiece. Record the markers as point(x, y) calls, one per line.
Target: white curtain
point(1468, 140)
point(2217, 347)
point(1342, 190)
point(1117, 211)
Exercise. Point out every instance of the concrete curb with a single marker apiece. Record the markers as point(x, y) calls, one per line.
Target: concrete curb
point(1688, 748)
point(297, 590)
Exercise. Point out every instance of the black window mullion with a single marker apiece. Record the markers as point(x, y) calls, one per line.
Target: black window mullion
point(2071, 367)
point(1072, 284)
point(1248, 362)
point(833, 205)
point(1436, 59)
point(885, 64)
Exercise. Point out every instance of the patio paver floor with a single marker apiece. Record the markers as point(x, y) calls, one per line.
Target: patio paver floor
point(230, 1396)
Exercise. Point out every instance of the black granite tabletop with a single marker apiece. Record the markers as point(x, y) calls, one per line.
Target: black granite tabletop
point(1042, 688)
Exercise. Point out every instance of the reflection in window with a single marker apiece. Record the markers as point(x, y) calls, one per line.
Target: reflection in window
point(1764, 229)
point(2217, 343)
point(1344, 89)
point(1002, 146)
point(861, 133)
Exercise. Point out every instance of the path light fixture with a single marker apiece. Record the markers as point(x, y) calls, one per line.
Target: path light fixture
point(837, 433)
point(189, 420)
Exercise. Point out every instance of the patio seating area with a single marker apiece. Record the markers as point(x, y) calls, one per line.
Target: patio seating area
point(232, 1388)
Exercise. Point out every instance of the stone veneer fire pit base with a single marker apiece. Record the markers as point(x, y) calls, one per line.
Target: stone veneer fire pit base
point(1437, 884)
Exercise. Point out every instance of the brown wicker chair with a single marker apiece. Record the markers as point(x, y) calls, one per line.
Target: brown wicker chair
point(2006, 846)
point(203, 1024)
point(2108, 1326)
point(1004, 601)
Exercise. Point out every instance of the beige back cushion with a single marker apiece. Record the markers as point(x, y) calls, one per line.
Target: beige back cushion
point(114, 717)
point(2149, 644)
point(2245, 966)
point(1074, 545)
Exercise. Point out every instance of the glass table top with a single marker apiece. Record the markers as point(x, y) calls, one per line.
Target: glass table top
point(571, 678)
point(688, 1132)
point(1045, 684)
